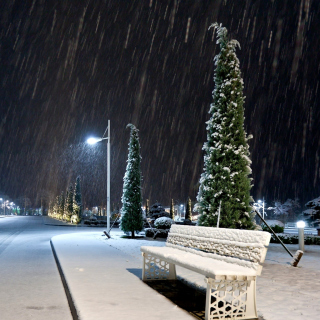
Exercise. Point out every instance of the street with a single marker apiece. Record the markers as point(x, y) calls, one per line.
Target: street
point(30, 284)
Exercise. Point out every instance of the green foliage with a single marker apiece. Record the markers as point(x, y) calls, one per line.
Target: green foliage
point(157, 210)
point(163, 223)
point(161, 233)
point(226, 160)
point(276, 228)
point(131, 212)
point(294, 239)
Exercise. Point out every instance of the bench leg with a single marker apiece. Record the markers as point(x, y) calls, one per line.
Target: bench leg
point(157, 269)
point(235, 299)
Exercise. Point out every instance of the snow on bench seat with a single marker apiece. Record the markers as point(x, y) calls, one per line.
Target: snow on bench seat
point(204, 263)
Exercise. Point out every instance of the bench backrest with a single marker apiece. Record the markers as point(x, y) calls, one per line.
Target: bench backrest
point(242, 244)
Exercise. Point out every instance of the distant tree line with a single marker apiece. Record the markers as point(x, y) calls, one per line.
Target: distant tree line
point(68, 206)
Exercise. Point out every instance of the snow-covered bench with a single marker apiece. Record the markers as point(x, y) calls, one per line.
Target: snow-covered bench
point(230, 259)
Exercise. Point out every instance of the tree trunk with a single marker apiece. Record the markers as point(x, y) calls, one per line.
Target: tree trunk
point(132, 234)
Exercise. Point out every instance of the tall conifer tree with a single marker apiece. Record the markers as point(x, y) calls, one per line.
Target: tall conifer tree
point(226, 160)
point(131, 211)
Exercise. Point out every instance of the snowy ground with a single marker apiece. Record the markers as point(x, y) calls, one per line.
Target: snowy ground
point(283, 292)
point(104, 281)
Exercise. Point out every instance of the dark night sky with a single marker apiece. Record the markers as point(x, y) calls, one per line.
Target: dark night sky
point(66, 67)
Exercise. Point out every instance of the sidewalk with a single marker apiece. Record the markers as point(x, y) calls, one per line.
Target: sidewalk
point(105, 283)
point(104, 279)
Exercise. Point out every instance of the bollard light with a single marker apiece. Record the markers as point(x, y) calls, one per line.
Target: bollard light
point(300, 225)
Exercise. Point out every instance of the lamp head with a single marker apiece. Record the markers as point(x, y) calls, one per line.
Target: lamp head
point(93, 140)
point(301, 224)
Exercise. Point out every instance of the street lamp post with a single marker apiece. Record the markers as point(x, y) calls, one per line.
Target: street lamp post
point(259, 201)
point(94, 141)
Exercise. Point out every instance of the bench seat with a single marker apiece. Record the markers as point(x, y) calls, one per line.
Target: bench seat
point(207, 264)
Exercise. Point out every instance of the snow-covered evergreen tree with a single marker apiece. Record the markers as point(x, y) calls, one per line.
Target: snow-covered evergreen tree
point(226, 160)
point(312, 215)
point(131, 211)
point(77, 202)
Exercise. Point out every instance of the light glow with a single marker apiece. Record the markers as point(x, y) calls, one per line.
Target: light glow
point(301, 224)
point(93, 140)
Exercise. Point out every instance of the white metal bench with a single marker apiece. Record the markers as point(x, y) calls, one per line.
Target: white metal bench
point(228, 258)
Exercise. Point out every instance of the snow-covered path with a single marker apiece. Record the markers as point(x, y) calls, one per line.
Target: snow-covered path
point(105, 281)
point(283, 292)
point(30, 284)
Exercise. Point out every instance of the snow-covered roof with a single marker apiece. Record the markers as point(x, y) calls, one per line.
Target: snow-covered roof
point(272, 223)
point(309, 212)
point(315, 203)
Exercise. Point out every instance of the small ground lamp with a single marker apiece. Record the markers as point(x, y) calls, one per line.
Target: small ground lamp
point(300, 225)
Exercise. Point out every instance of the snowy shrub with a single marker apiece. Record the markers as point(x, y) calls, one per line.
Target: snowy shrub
point(163, 223)
point(294, 239)
point(66, 217)
point(161, 233)
point(276, 228)
point(75, 219)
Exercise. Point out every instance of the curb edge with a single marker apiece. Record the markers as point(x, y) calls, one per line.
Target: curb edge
point(65, 285)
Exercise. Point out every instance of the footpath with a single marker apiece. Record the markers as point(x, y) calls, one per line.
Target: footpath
point(105, 283)
point(103, 280)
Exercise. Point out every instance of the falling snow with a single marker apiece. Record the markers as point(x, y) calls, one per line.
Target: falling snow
point(67, 67)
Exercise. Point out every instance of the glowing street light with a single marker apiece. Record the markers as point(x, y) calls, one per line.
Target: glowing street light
point(93, 141)
point(300, 225)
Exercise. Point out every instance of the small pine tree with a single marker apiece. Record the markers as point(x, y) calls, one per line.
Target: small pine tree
point(77, 204)
point(172, 210)
point(131, 211)
point(69, 202)
point(188, 210)
point(226, 160)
